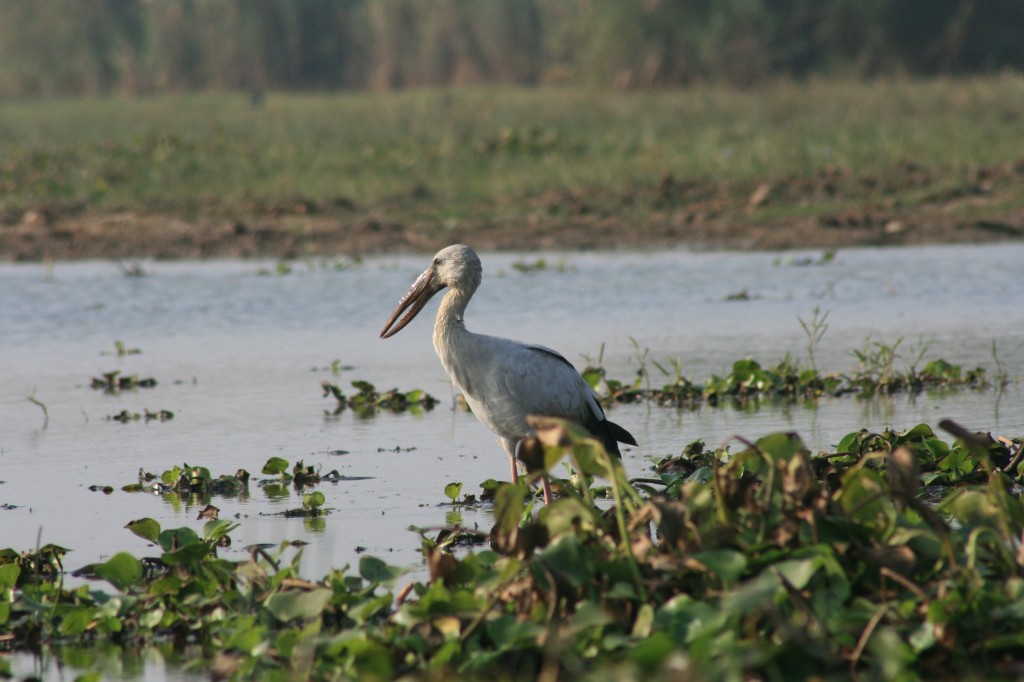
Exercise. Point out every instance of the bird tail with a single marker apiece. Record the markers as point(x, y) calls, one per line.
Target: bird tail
point(612, 434)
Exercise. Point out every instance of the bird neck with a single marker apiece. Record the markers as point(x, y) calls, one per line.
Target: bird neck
point(449, 323)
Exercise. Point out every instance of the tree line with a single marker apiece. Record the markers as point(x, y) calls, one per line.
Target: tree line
point(95, 47)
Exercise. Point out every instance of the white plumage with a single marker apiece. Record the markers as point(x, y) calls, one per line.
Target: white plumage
point(503, 380)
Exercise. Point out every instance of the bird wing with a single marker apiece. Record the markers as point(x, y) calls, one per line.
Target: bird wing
point(504, 381)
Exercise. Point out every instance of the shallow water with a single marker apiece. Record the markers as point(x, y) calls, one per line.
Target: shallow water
point(239, 358)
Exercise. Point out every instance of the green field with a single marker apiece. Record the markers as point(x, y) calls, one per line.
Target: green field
point(450, 153)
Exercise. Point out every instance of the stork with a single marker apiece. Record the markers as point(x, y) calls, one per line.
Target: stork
point(502, 380)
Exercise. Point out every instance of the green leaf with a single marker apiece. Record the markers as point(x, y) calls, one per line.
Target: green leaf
point(936, 447)
point(725, 563)
point(781, 445)
point(508, 507)
point(918, 432)
point(593, 377)
point(215, 529)
point(302, 604)
point(452, 491)
point(198, 475)
point(151, 617)
point(9, 576)
point(849, 442)
point(122, 570)
point(76, 621)
point(168, 585)
point(111, 624)
point(275, 465)
point(644, 622)
point(176, 538)
point(568, 515)
point(377, 571)
point(507, 632)
point(589, 615)
point(797, 571)
point(566, 556)
point(147, 529)
point(171, 476)
point(652, 652)
point(752, 594)
point(188, 555)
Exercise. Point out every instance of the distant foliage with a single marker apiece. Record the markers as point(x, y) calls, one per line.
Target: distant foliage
point(137, 46)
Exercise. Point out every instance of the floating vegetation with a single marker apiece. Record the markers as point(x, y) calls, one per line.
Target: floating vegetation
point(131, 269)
point(789, 260)
point(42, 406)
point(453, 490)
point(541, 264)
point(122, 350)
point(114, 382)
point(42, 564)
point(196, 485)
point(895, 557)
point(741, 295)
point(337, 366)
point(749, 381)
point(455, 537)
point(312, 506)
point(367, 400)
point(187, 481)
point(125, 416)
point(301, 475)
point(342, 263)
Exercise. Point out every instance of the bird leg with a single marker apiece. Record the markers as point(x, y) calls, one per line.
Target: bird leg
point(512, 448)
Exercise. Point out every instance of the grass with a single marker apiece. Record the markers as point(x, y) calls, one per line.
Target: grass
point(442, 154)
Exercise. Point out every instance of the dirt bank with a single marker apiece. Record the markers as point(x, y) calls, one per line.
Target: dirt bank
point(833, 209)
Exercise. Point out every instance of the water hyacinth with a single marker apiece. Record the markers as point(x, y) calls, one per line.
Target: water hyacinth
point(897, 555)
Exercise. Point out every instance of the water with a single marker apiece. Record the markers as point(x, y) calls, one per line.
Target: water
point(239, 358)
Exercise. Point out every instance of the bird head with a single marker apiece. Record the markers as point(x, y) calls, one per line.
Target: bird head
point(455, 266)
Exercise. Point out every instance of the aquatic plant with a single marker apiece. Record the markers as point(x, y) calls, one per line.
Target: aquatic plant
point(453, 490)
point(896, 556)
point(541, 265)
point(31, 397)
point(814, 330)
point(787, 380)
point(190, 483)
point(113, 382)
point(368, 400)
point(121, 349)
point(125, 416)
point(130, 269)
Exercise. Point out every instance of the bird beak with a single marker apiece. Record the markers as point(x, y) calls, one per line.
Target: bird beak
point(417, 296)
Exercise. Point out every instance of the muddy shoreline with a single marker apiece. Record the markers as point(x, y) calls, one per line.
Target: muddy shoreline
point(830, 210)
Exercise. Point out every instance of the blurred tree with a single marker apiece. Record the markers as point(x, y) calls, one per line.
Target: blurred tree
point(93, 47)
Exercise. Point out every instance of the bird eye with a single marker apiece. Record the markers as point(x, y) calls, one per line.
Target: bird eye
point(437, 261)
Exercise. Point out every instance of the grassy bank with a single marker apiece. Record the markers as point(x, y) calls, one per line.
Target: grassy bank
point(465, 159)
point(171, 152)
